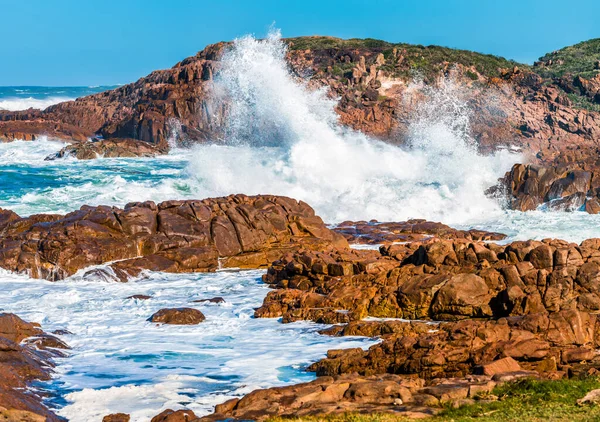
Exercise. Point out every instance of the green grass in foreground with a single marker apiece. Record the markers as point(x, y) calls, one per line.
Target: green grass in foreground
point(524, 401)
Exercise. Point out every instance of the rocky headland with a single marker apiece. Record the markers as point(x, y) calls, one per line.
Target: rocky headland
point(550, 111)
point(457, 313)
point(456, 319)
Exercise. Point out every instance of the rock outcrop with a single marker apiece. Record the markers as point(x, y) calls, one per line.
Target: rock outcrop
point(173, 236)
point(113, 148)
point(555, 345)
point(557, 186)
point(437, 280)
point(26, 354)
point(374, 232)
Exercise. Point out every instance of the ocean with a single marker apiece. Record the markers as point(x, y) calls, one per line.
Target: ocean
point(282, 139)
point(15, 98)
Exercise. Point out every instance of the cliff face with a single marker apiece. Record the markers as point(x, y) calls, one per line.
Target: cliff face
point(545, 113)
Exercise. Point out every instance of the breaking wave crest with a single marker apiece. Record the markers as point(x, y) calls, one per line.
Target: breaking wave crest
point(284, 138)
point(16, 104)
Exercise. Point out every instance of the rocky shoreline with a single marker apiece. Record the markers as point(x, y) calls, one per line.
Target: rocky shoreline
point(26, 354)
point(456, 312)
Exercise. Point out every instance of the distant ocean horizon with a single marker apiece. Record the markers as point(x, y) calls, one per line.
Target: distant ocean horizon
point(14, 98)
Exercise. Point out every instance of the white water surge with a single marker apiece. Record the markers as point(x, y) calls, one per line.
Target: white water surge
point(15, 103)
point(284, 138)
point(120, 362)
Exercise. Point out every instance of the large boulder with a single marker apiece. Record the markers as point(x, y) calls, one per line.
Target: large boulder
point(178, 316)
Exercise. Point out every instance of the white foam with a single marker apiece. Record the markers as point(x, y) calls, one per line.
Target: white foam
point(283, 138)
point(120, 362)
point(28, 152)
point(17, 103)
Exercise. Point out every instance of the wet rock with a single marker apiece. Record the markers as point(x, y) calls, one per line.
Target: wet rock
point(117, 417)
point(26, 354)
point(178, 316)
point(108, 149)
point(139, 297)
point(561, 186)
point(211, 300)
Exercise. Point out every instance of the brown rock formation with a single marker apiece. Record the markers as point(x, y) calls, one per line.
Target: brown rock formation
point(25, 356)
point(140, 110)
point(511, 105)
point(440, 280)
point(116, 417)
point(560, 186)
point(374, 232)
point(457, 349)
point(109, 149)
point(174, 236)
point(178, 316)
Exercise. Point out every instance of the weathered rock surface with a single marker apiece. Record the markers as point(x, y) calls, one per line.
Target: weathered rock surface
point(26, 354)
point(109, 149)
point(178, 316)
point(402, 395)
point(173, 236)
point(439, 280)
point(374, 232)
point(460, 348)
point(559, 185)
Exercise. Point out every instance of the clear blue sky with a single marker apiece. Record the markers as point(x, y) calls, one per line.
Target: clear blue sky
point(99, 42)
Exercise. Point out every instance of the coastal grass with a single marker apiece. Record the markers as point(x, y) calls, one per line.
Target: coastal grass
point(523, 401)
point(576, 60)
point(426, 60)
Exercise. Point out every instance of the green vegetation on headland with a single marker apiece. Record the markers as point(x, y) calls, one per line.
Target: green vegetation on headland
point(559, 68)
point(523, 401)
point(424, 59)
point(578, 60)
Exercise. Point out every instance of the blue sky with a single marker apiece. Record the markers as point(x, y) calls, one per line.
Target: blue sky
point(94, 42)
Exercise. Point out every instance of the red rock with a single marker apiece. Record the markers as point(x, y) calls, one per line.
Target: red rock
point(507, 364)
point(22, 364)
point(175, 416)
point(116, 417)
point(174, 236)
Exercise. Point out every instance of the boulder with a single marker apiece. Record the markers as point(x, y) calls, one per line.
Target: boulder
point(178, 316)
point(507, 364)
point(117, 417)
point(175, 416)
